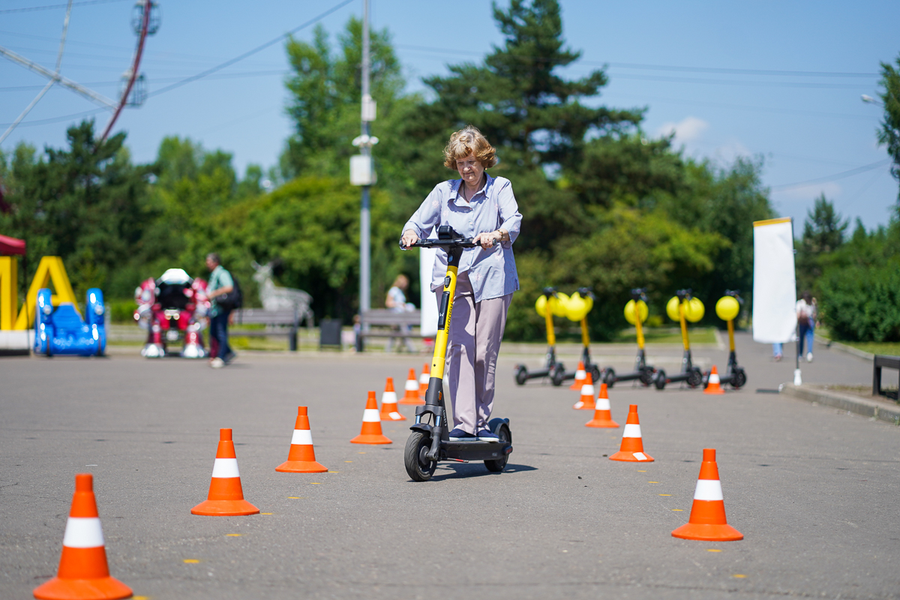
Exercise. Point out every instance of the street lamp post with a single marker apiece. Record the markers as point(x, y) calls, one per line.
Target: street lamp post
point(362, 172)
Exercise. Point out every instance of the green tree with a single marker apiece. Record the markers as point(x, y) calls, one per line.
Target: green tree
point(85, 204)
point(823, 233)
point(889, 134)
point(326, 90)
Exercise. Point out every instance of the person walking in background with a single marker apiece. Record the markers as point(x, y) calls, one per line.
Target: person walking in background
point(484, 208)
point(804, 321)
point(813, 323)
point(396, 302)
point(220, 283)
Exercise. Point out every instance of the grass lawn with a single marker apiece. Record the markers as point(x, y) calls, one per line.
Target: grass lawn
point(667, 335)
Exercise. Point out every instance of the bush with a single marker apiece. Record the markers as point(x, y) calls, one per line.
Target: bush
point(862, 303)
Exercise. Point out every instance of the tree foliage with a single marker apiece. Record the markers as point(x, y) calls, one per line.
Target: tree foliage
point(889, 134)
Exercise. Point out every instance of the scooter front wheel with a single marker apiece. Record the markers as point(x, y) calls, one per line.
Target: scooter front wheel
point(660, 379)
point(696, 378)
point(609, 377)
point(739, 378)
point(557, 374)
point(418, 466)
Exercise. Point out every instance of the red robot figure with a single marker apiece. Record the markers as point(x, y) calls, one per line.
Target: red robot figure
point(172, 307)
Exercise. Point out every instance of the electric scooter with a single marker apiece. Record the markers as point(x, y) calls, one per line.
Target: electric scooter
point(553, 368)
point(642, 371)
point(429, 441)
point(728, 308)
point(689, 373)
point(589, 366)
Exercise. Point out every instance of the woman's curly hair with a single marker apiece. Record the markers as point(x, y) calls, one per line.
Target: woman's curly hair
point(468, 141)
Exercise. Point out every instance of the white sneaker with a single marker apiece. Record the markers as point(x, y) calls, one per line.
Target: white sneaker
point(217, 363)
point(809, 357)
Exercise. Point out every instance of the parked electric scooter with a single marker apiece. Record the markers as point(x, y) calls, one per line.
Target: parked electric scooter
point(553, 303)
point(727, 308)
point(430, 440)
point(677, 310)
point(636, 311)
point(580, 304)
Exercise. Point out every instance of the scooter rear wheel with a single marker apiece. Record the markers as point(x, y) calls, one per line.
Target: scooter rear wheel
point(660, 379)
point(521, 374)
point(597, 374)
point(505, 435)
point(418, 467)
point(696, 378)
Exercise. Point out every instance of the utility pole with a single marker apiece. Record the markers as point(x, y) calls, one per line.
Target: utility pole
point(362, 171)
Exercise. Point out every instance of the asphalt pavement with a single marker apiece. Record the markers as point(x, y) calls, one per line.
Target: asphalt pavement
point(814, 489)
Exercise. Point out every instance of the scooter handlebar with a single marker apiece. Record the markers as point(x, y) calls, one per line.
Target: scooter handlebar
point(432, 243)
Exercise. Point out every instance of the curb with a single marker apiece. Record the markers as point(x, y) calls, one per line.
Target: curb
point(854, 404)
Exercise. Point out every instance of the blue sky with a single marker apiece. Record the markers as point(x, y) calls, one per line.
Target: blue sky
point(780, 80)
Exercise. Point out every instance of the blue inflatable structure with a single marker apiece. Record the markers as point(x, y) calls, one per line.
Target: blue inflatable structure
point(61, 330)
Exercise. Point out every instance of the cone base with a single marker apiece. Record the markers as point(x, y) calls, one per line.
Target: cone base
point(224, 508)
point(389, 417)
point(105, 588)
point(370, 438)
point(630, 457)
point(576, 386)
point(716, 391)
point(583, 406)
point(604, 423)
point(301, 466)
point(708, 533)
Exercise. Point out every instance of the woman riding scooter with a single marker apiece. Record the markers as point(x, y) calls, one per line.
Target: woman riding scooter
point(483, 208)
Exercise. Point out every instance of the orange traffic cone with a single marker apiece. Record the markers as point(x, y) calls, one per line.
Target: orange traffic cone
point(707, 521)
point(713, 386)
point(632, 448)
point(587, 394)
point(424, 378)
point(371, 425)
point(83, 570)
point(226, 496)
point(412, 390)
point(602, 414)
point(579, 377)
point(389, 410)
point(302, 456)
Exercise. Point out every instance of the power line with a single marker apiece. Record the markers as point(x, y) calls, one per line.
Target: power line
point(643, 66)
point(829, 178)
point(259, 48)
point(53, 6)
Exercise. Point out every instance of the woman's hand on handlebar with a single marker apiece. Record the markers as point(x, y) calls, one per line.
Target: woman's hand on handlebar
point(408, 238)
point(489, 239)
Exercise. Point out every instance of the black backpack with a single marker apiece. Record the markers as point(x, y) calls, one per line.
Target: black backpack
point(233, 299)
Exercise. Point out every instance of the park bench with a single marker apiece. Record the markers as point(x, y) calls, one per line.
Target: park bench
point(884, 362)
point(384, 323)
point(278, 322)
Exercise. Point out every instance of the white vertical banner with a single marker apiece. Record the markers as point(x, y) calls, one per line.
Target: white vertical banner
point(774, 281)
point(429, 318)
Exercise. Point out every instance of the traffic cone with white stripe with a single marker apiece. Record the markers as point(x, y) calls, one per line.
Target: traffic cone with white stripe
point(389, 411)
point(412, 390)
point(587, 394)
point(424, 378)
point(713, 387)
point(83, 570)
point(579, 377)
point(632, 448)
point(707, 521)
point(602, 414)
point(302, 456)
point(226, 496)
point(371, 424)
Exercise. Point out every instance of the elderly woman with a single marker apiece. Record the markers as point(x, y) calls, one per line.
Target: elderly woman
point(484, 208)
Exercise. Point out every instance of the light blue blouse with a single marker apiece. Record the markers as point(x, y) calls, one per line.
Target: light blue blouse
point(492, 272)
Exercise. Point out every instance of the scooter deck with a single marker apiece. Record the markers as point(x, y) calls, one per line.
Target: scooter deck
point(475, 450)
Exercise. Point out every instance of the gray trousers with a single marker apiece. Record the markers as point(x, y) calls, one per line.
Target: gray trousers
point(476, 330)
